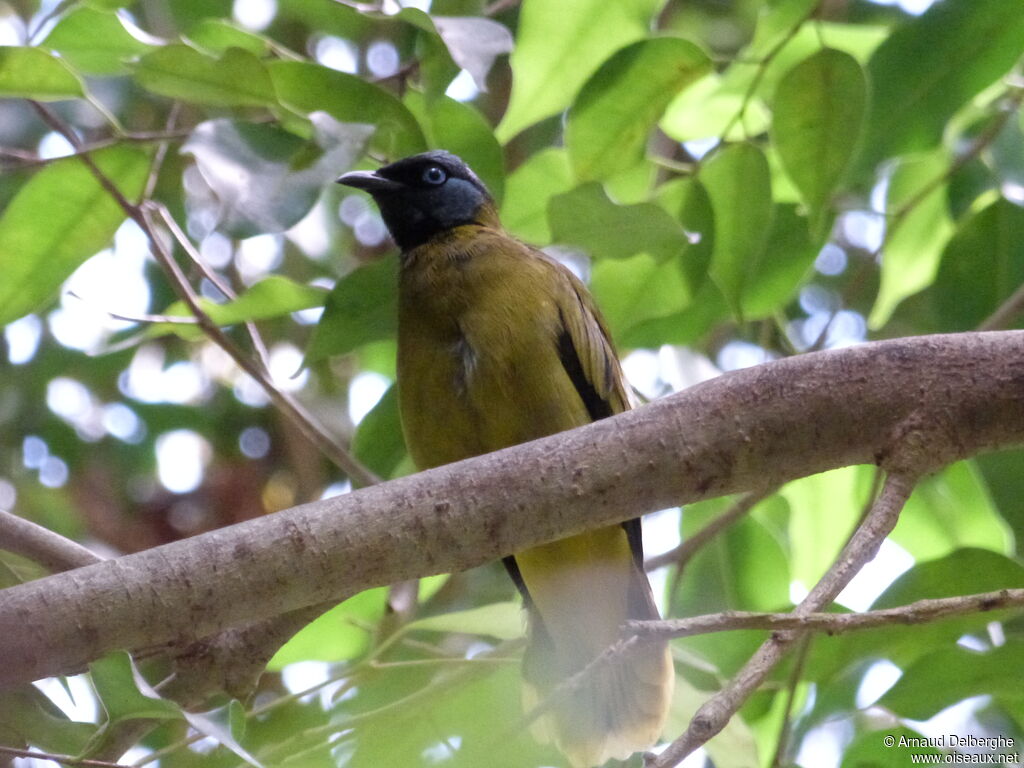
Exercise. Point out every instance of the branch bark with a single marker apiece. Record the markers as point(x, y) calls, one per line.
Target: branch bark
point(938, 398)
point(919, 612)
point(41, 545)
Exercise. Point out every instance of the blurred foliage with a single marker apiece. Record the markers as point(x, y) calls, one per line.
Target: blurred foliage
point(737, 181)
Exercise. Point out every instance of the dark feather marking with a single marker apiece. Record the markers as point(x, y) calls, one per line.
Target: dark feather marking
point(636, 541)
point(517, 578)
point(596, 406)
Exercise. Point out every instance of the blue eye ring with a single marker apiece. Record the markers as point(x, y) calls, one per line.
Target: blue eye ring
point(434, 175)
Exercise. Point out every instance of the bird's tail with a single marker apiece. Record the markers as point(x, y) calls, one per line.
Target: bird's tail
point(619, 708)
point(619, 705)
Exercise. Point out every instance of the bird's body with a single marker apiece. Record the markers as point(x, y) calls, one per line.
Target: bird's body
point(498, 344)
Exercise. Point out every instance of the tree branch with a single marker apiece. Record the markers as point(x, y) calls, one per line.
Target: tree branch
point(290, 407)
point(680, 556)
point(911, 405)
point(920, 612)
point(713, 715)
point(62, 759)
point(41, 545)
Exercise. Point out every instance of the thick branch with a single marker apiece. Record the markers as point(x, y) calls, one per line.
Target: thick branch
point(939, 398)
point(41, 545)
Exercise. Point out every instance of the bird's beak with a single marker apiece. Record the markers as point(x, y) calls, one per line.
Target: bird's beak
point(368, 180)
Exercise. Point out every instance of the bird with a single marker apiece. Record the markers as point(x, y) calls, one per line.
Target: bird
point(499, 344)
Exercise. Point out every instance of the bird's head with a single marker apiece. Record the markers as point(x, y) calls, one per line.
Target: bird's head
point(424, 195)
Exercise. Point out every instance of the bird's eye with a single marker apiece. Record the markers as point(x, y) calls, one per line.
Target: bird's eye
point(434, 175)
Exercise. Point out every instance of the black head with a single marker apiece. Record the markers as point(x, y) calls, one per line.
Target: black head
point(423, 195)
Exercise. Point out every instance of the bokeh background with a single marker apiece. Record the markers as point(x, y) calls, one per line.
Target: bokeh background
point(736, 181)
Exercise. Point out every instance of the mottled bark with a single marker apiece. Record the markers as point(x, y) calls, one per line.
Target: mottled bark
point(938, 398)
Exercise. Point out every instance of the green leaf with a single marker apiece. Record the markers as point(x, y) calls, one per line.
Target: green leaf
point(689, 327)
point(738, 182)
point(932, 65)
point(32, 73)
point(823, 510)
point(273, 296)
point(688, 202)
point(378, 442)
point(981, 267)
point(949, 511)
point(708, 107)
point(27, 716)
point(461, 129)
point(478, 702)
point(817, 119)
point(962, 572)
point(95, 42)
point(558, 46)
point(501, 620)
point(705, 109)
point(311, 88)
point(949, 675)
point(777, 20)
point(743, 568)
point(586, 217)
point(634, 290)
point(80, 218)
point(218, 35)
point(611, 120)
point(337, 635)
point(788, 259)
point(529, 189)
point(117, 685)
point(126, 695)
point(435, 65)
point(733, 747)
point(914, 245)
point(362, 307)
point(1005, 482)
point(236, 79)
point(267, 179)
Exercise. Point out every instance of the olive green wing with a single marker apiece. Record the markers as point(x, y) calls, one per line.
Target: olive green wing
point(586, 352)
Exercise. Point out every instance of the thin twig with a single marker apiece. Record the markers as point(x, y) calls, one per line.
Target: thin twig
point(25, 158)
point(41, 545)
point(291, 408)
point(1006, 313)
point(762, 68)
point(216, 280)
point(680, 555)
point(436, 688)
point(786, 728)
point(142, 319)
point(58, 9)
point(1014, 96)
point(919, 612)
point(63, 759)
point(713, 715)
point(161, 152)
point(498, 6)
